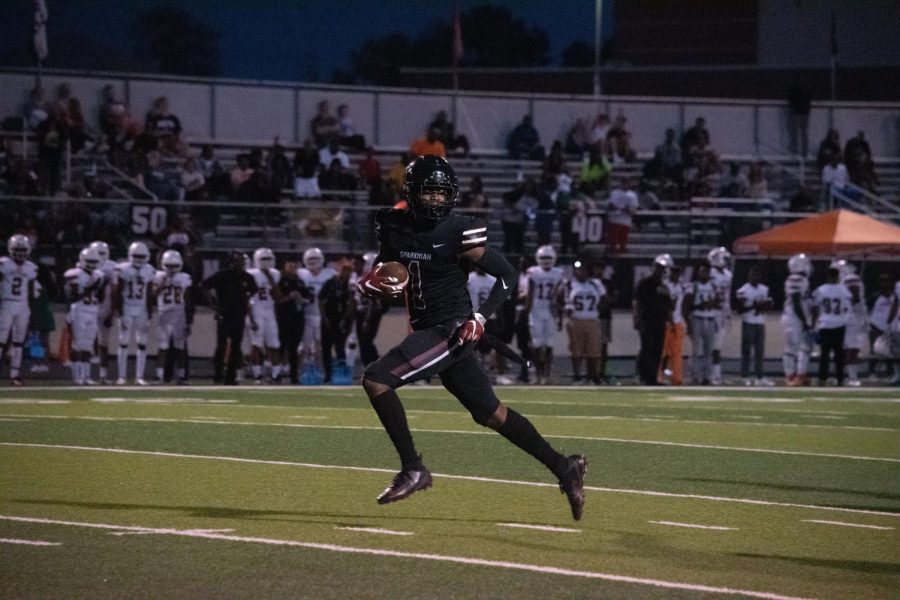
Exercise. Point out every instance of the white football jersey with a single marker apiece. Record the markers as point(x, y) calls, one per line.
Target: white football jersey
point(721, 280)
point(134, 284)
point(677, 291)
point(706, 295)
point(881, 311)
point(852, 281)
point(314, 284)
point(748, 295)
point(171, 290)
point(583, 298)
point(262, 299)
point(543, 285)
point(796, 283)
point(108, 268)
point(16, 280)
point(480, 288)
point(833, 301)
point(81, 280)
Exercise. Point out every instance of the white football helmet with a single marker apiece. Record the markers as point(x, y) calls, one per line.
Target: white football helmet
point(718, 257)
point(369, 261)
point(800, 264)
point(313, 258)
point(545, 257)
point(19, 247)
point(102, 249)
point(264, 259)
point(138, 254)
point(845, 268)
point(171, 261)
point(89, 259)
point(664, 260)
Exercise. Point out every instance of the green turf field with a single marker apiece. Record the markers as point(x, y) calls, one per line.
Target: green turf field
point(270, 493)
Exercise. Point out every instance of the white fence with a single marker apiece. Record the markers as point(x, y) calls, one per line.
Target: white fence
point(231, 110)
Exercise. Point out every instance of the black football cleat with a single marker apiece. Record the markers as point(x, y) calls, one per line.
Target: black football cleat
point(572, 484)
point(405, 484)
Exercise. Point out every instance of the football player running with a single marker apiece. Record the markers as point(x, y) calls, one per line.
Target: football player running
point(84, 290)
point(721, 277)
point(435, 247)
point(264, 337)
point(175, 305)
point(105, 310)
point(18, 285)
point(313, 274)
point(796, 322)
point(132, 303)
point(544, 316)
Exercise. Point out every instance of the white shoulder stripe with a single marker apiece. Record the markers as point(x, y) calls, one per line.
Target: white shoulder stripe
point(479, 230)
point(475, 240)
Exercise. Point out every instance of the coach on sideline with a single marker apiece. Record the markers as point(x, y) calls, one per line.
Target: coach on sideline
point(228, 292)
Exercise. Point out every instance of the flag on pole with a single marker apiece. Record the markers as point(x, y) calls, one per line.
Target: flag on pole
point(457, 40)
point(40, 29)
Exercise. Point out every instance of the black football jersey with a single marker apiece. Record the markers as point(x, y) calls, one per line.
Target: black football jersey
point(437, 291)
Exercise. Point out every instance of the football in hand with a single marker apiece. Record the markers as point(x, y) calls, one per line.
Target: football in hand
point(394, 273)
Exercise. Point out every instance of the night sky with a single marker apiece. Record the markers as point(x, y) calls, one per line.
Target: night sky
point(279, 39)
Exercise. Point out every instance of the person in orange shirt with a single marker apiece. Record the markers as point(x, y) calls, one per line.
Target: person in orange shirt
point(431, 144)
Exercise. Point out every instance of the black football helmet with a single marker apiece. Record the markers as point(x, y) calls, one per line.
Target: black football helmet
point(431, 174)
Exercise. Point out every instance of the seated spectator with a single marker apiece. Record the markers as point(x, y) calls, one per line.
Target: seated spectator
point(757, 187)
point(828, 147)
point(324, 126)
point(620, 209)
point(595, 170)
point(177, 234)
point(306, 171)
point(430, 144)
point(598, 133)
point(524, 141)
point(447, 134)
point(281, 173)
point(692, 138)
point(474, 197)
point(734, 183)
point(370, 175)
point(667, 158)
point(619, 141)
point(116, 124)
point(556, 160)
point(348, 135)
point(336, 177)
point(333, 152)
point(207, 161)
point(240, 176)
point(157, 180)
point(193, 182)
point(578, 139)
point(165, 127)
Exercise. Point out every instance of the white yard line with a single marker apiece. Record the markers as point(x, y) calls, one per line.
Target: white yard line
point(694, 526)
point(539, 527)
point(28, 542)
point(258, 461)
point(469, 432)
point(667, 419)
point(162, 400)
point(842, 524)
point(376, 530)
point(32, 401)
point(465, 560)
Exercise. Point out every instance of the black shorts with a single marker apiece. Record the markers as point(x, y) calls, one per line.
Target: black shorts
point(434, 351)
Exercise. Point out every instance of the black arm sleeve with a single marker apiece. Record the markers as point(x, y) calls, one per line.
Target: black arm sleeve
point(494, 263)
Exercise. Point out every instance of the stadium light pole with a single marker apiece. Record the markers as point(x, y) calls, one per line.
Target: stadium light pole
point(598, 12)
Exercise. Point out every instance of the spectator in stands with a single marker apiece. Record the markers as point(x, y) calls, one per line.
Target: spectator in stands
point(619, 141)
point(734, 183)
point(474, 197)
point(578, 138)
point(157, 179)
point(370, 175)
point(702, 168)
point(396, 178)
point(545, 213)
point(565, 211)
point(857, 147)
point(35, 111)
point(512, 219)
point(281, 173)
point(430, 144)
point(76, 125)
point(240, 176)
point(193, 183)
point(598, 134)
point(207, 161)
point(324, 126)
point(858, 158)
point(667, 158)
point(834, 180)
point(348, 135)
point(799, 104)
point(336, 177)
point(595, 171)
point(178, 235)
point(524, 141)
point(51, 145)
point(306, 171)
point(22, 180)
point(694, 136)
point(828, 147)
point(620, 209)
point(448, 135)
point(165, 127)
point(333, 152)
point(555, 161)
point(758, 186)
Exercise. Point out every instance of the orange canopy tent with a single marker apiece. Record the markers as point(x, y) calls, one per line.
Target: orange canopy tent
point(838, 232)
